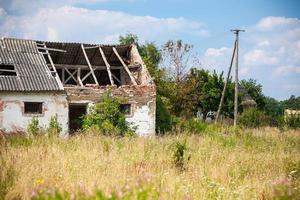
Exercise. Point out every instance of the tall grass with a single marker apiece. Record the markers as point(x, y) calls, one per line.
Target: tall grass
point(247, 164)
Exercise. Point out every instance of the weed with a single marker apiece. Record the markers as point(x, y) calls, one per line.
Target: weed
point(33, 127)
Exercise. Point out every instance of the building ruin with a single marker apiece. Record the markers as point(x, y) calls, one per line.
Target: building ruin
point(44, 79)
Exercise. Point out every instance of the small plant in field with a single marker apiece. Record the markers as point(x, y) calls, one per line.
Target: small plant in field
point(107, 117)
point(54, 126)
point(180, 155)
point(33, 127)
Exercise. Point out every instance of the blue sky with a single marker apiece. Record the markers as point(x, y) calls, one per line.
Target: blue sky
point(269, 49)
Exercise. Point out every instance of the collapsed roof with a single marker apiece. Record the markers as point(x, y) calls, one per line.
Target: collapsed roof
point(29, 65)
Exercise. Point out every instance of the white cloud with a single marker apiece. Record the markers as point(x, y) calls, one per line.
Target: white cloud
point(213, 52)
point(80, 24)
point(283, 70)
point(259, 57)
point(271, 23)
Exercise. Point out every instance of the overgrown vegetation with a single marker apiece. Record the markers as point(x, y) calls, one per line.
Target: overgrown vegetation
point(106, 117)
point(215, 163)
point(54, 128)
point(254, 118)
point(33, 127)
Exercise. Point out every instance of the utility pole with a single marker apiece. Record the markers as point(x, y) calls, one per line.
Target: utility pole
point(236, 32)
point(234, 54)
point(225, 84)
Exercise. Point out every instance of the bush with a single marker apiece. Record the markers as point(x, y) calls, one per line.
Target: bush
point(54, 127)
point(107, 117)
point(254, 118)
point(179, 155)
point(292, 121)
point(33, 127)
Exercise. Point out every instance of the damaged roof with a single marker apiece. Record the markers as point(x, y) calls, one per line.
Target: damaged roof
point(30, 67)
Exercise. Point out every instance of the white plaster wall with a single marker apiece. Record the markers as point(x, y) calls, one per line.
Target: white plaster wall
point(144, 118)
point(12, 115)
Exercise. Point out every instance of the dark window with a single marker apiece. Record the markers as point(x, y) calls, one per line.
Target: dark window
point(7, 70)
point(33, 107)
point(125, 109)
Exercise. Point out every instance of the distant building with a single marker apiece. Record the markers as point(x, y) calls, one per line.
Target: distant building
point(43, 79)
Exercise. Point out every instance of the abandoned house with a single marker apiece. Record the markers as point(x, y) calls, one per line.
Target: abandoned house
point(44, 79)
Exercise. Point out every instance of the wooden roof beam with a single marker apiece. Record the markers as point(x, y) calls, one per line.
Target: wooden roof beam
point(125, 66)
point(107, 66)
point(89, 64)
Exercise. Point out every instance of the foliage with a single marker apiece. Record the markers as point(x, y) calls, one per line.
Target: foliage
point(194, 125)
point(107, 117)
point(33, 127)
point(179, 155)
point(292, 103)
point(292, 121)
point(203, 92)
point(54, 126)
point(252, 88)
point(163, 116)
point(254, 118)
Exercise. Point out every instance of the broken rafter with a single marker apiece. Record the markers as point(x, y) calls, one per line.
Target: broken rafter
point(53, 66)
point(107, 66)
point(125, 66)
point(89, 64)
point(52, 49)
point(84, 67)
point(78, 77)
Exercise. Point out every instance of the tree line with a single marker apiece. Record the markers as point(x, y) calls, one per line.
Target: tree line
point(185, 88)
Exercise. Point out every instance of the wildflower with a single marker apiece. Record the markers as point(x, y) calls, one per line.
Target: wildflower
point(119, 194)
point(39, 181)
point(72, 196)
point(33, 193)
point(109, 196)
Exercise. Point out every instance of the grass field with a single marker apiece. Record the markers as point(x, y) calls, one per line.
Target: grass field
point(249, 164)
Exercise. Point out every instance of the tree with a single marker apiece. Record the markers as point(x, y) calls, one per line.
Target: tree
point(177, 54)
point(292, 103)
point(151, 56)
point(255, 91)
point(205, 90)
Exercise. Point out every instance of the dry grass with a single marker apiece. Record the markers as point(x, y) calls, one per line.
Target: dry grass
point(219, 166)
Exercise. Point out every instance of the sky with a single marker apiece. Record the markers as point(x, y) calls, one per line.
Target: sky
point(269, 49)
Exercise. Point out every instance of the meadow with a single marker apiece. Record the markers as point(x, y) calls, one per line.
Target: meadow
point(216, 164)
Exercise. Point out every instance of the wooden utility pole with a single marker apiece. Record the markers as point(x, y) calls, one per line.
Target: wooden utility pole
point(236, 32)
point(234, 54)
point(225, 84)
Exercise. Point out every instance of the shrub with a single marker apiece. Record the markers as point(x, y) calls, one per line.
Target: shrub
point(253, 118)
point(54, 126)
point(180, 155)
point(194, 125)
point(33, 127)
point(292, 121)
point(107, 117)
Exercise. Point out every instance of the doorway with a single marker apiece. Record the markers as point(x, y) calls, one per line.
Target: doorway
point(76, 114)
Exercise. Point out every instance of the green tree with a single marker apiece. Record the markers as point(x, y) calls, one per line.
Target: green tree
point(255, 91)
point(151, 56)
point(205, 90)
point(292, 103)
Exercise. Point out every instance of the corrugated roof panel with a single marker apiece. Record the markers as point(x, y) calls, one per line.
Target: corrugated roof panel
point(33, 73)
